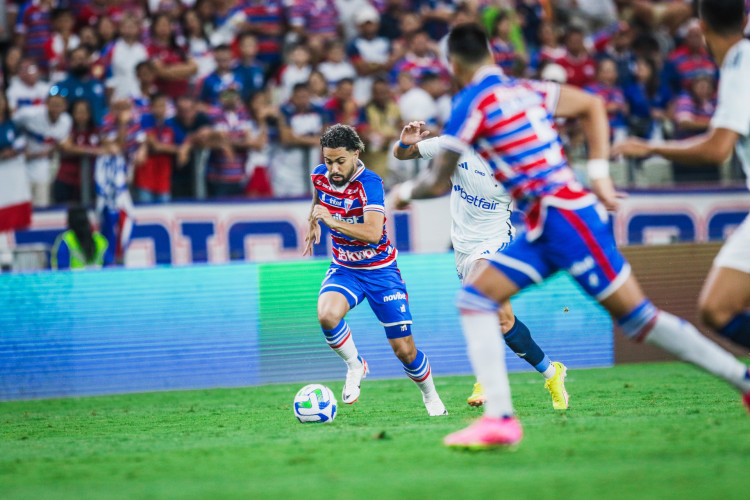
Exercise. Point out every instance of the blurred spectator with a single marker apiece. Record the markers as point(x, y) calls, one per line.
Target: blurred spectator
point(341, 107)
point(11, 64)
point(89, 39)
point(419, 59)
point(464, 13)
point(315, 22)
point(619, 50)
point(320, 92)
point(80, 247)
point(27, 90)
point(384, 124)
point(15, 191)
point(146, 76)
point(45, 127)
point(226, 167)
point(348, 10)
point(266, 118)
point(221, 79)
point(415, 103)
point(390, 18)
point(335, 67)
point(505, 53)
point(122, 132)
point(82, 145)
point(296, 71)
point(606, 87)
point(106, 30)
point(301, 125)
point(369, 53)
point(122, 57)
point(191, 128)
point(531, 15)
point(153, 178)
point(688, 61)
point(550, 48)
point(228, 20)
point(33, 29)
point(173, 66)
point(94, 10)
point(577, 61)
point(81, 85)
point(692, 116)
point(195, 43)
point(435, 14)
point(647, 99)
point(265, 20)
point(248, 70)
point(62, 40)
point(438, 90)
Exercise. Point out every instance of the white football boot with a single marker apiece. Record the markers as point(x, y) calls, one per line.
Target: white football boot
point(435, 407)
point(353, 380)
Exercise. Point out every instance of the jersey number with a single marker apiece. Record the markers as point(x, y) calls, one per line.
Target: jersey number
point(545, 132)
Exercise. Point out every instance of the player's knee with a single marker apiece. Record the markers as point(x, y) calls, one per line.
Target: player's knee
point(713, 314)
point(328, 318)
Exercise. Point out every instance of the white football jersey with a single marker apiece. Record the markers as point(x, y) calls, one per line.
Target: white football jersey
point(480, 206)
point(733, 110)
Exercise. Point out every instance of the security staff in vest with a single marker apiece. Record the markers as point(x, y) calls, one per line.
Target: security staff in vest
point(80, 247)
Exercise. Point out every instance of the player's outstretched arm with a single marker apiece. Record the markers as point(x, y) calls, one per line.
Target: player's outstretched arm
point(406, 148)
point(591, 111)
point(313, 231)
point(713, 147)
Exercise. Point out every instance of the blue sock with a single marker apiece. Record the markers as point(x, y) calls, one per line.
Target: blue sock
point(520, 341)
point(738, 329)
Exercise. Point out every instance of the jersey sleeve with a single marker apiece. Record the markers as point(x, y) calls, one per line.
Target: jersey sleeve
point(373, 199)
point(550, 92)
point(464, 126)
point(733, 110)
point(429, 148)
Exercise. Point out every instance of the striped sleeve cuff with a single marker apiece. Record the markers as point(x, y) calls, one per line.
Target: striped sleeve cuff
point(374, 208)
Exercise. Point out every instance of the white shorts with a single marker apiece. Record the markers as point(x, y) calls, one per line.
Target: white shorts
point(735, 254)
point(464, 261)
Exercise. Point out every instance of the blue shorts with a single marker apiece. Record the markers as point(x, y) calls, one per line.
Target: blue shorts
point(577, 241)
point(384, 289)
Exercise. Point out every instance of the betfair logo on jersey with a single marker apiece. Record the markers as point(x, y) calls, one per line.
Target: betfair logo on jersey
point(347, 256)
point(475, 200)
point(394, 296)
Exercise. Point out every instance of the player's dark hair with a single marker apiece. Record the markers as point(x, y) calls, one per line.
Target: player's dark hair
point(79, 223)
point(725, 17)
point(468, 43)
point(341, 136)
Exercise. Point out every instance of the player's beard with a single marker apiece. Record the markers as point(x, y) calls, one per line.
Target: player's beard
point(343, 180)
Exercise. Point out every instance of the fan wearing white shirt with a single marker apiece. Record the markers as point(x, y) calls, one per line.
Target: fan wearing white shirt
point(725, 296)
point(27, 90)
point(480, 214)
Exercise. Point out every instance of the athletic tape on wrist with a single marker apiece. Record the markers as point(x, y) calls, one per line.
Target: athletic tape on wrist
point(598, 168)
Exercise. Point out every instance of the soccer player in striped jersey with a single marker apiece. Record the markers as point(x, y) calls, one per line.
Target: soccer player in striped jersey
point(726, 294)
point(349, 198)
point(480, 214)
point(510, 124)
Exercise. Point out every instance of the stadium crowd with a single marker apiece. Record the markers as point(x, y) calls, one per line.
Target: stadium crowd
point(228, 98)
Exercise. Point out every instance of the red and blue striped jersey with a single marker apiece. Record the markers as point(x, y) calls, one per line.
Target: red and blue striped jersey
point(509, 122)
point(35, 21)
point(363, 193)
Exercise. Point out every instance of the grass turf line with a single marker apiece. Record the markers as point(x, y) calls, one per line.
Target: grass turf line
point(663, 431)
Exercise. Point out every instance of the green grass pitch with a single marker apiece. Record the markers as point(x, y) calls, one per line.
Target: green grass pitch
point(659, 431)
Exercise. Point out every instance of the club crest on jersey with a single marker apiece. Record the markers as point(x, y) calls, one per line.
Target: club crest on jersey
point(348, 203)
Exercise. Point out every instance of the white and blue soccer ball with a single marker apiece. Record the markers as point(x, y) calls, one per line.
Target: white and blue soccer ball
point(315, 403)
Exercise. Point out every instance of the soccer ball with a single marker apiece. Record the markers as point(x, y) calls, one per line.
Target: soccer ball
point(315, 403)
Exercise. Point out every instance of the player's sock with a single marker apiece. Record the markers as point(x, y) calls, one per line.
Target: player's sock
point(419, 371)
point(340, 340)
point(680, 338)
point(486, 353)
point(519, 340)
point(738, 329)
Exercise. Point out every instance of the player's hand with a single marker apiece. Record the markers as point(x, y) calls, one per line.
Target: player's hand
point(312, 237)
point(632, 147)
point(394, 200)
point(321, 213)
point(604, 189)
point(413, 133)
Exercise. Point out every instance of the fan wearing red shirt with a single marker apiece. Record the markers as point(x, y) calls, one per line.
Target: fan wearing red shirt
point(153, 178)
point(577, 61)
point(173, 66)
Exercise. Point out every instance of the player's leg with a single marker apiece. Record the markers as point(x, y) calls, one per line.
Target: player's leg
point(338, 294)
point(725, 296)
point(602, 272)
point(386, 293)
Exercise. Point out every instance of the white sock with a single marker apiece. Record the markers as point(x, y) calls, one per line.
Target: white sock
point(682, 339)
point(341, 341)
point(486, 353)
point(550, 371)
point(349, 354)
point(420, 372)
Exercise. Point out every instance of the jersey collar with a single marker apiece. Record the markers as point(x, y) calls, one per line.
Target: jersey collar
point(360, 169)
point(486, 71)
